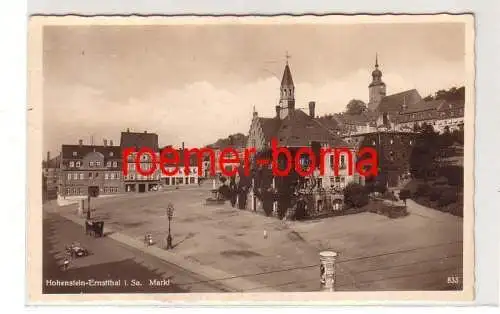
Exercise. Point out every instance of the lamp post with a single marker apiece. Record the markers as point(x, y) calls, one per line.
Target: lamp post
point(170, 214)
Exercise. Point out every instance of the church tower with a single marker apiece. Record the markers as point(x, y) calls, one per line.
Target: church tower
point(376, 87)
point(287, 93)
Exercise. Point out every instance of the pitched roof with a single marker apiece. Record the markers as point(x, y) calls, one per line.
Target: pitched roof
point(329, 123)
point(270, 127)
point(445, 105)
point(361, 119)
point(394, 102)
point(423, 105)
point(299, 130)
point(139, 140)
point(287, 77)
point(81, 151)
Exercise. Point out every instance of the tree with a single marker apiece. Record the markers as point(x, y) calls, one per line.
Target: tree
point(428, 98)
point(356, 107)
point(425, 153)
point(356, 195)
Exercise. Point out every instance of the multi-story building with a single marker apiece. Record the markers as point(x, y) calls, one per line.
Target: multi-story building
point(51, 177)
point(393, 153)
point(294, 129)
point(405, 111)
point(181, 176)
point(84, 166)
point(134, 181)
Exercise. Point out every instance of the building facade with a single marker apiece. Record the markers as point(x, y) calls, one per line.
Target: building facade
point(183, 176)
point(393, 153)
point(134, 181)
point(84, 166)
point(294, 129)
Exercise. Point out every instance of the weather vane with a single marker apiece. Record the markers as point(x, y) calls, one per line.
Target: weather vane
point(287, 56)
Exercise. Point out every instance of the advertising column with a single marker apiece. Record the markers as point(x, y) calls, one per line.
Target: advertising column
point(327, 270)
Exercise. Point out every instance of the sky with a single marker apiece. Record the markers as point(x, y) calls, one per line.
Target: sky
point(198, 83)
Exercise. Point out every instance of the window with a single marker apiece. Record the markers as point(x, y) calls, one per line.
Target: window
point(115, 164)
point(69, 176)
point(78, 164)
point(191, 180)
point(75, 176)
point(112, 176)
point(111, 154)
point(106, 176)
point(392, 141)
point(108, 164)
point(71, 164)
point(81, 176)
point(91, 164)
point(90, 175)
point(97, 163)
point(75, 154)
point(105, 190)
point(96, 174)
point(117, 175)
point(342, 162)
point(332, 161)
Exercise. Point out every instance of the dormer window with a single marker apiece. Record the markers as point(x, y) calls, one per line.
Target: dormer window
point(91, 164)
point(78, 164)
point(108, 164)
point(71, 164)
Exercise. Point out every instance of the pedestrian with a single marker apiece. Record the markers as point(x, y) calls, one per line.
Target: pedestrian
point(66, 263)
point(233, 191)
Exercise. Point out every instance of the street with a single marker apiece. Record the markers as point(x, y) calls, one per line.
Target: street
point(110, 266)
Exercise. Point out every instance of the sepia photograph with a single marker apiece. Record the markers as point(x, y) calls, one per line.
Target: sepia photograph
point(277, 157)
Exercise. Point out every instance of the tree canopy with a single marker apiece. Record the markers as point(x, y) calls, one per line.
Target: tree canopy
point(355, 107)
point(451, 94)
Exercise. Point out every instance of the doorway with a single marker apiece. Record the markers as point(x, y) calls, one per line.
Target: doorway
point(142, 188)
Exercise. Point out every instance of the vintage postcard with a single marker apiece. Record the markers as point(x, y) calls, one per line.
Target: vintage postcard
point(254, 158)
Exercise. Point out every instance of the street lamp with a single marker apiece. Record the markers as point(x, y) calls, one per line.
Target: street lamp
point(170, 214)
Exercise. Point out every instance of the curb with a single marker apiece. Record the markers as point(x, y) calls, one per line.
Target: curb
point(229, 281)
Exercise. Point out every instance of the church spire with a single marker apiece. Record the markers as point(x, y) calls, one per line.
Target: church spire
point(287, 91)
point(287, 80)
point(376, 60)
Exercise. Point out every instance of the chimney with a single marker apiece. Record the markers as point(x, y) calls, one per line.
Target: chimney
point(182, 146)
point(145, 132)
point(80, 142)
point(128, 130)
point(312, 105)
point(105, 141)
point(48, 157)
point(110, 142)
point(278, 112)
